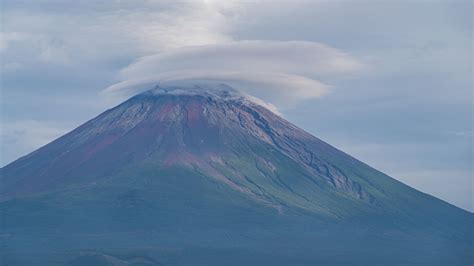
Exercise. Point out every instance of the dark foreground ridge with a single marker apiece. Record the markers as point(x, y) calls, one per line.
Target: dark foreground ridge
point(203, 175)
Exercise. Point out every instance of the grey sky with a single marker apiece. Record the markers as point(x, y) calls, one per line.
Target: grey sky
point(388, 82)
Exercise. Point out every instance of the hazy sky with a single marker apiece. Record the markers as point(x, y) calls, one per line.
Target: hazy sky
point(389, 82)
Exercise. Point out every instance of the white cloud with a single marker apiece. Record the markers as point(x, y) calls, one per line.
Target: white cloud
point(278, 72)
point(186, 40)
point(295, 57)
point(278, 88)
point(65, 33)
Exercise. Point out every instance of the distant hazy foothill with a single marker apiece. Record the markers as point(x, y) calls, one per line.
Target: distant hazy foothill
point(204, 175)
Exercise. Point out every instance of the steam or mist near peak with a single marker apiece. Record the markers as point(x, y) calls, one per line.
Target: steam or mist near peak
point(281, 73)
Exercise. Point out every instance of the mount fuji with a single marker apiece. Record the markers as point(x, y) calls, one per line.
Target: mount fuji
point(206, 175)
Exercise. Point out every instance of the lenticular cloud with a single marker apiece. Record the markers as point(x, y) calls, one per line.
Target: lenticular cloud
point(281, 73)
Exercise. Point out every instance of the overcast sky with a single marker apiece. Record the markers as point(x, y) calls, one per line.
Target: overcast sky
point(389, 82)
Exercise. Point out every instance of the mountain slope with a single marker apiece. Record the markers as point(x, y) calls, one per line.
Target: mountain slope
point(188, 171)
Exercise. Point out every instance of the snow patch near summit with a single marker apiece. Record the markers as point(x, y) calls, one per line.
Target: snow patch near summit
point(218, 91)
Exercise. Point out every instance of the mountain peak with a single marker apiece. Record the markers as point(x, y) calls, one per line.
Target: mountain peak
point(215, 90)
point(207, 89)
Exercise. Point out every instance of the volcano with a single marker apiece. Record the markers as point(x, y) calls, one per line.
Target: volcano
point(205, 175)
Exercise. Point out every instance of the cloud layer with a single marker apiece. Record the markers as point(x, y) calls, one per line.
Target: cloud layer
point(282, 73)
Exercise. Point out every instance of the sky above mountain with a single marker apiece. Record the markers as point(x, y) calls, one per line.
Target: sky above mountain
point(389, 83)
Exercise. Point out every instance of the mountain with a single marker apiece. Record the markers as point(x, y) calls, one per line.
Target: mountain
point(204, 175)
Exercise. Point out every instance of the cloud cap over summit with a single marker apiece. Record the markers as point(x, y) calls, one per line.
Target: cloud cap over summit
point(278, 72)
